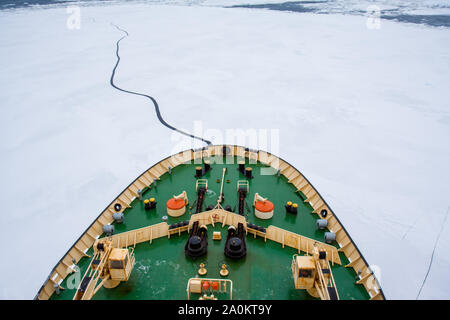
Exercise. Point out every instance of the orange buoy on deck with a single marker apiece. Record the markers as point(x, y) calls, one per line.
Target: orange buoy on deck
point(215, 286)
point(264, 209)
point(205, 285)
point(176, 207)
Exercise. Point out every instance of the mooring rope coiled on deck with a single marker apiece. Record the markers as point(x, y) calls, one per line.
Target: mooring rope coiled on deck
point(158, 113)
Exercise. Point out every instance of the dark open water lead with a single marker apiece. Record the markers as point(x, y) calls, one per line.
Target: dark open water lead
point(158, 113)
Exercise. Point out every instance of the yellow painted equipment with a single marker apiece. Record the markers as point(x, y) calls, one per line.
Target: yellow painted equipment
point(108, 268)
point(313, 274)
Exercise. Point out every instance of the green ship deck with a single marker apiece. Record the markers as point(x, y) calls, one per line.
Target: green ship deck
point(162, 270)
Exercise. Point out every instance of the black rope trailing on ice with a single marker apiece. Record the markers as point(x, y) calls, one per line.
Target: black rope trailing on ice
point(432, 255)
point(158, 113)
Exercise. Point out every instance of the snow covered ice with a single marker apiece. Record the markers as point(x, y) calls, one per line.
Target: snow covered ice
point(363, 113)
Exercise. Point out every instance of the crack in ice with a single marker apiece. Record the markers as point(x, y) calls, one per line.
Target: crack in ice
point(158, 113)
point(432, 255)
